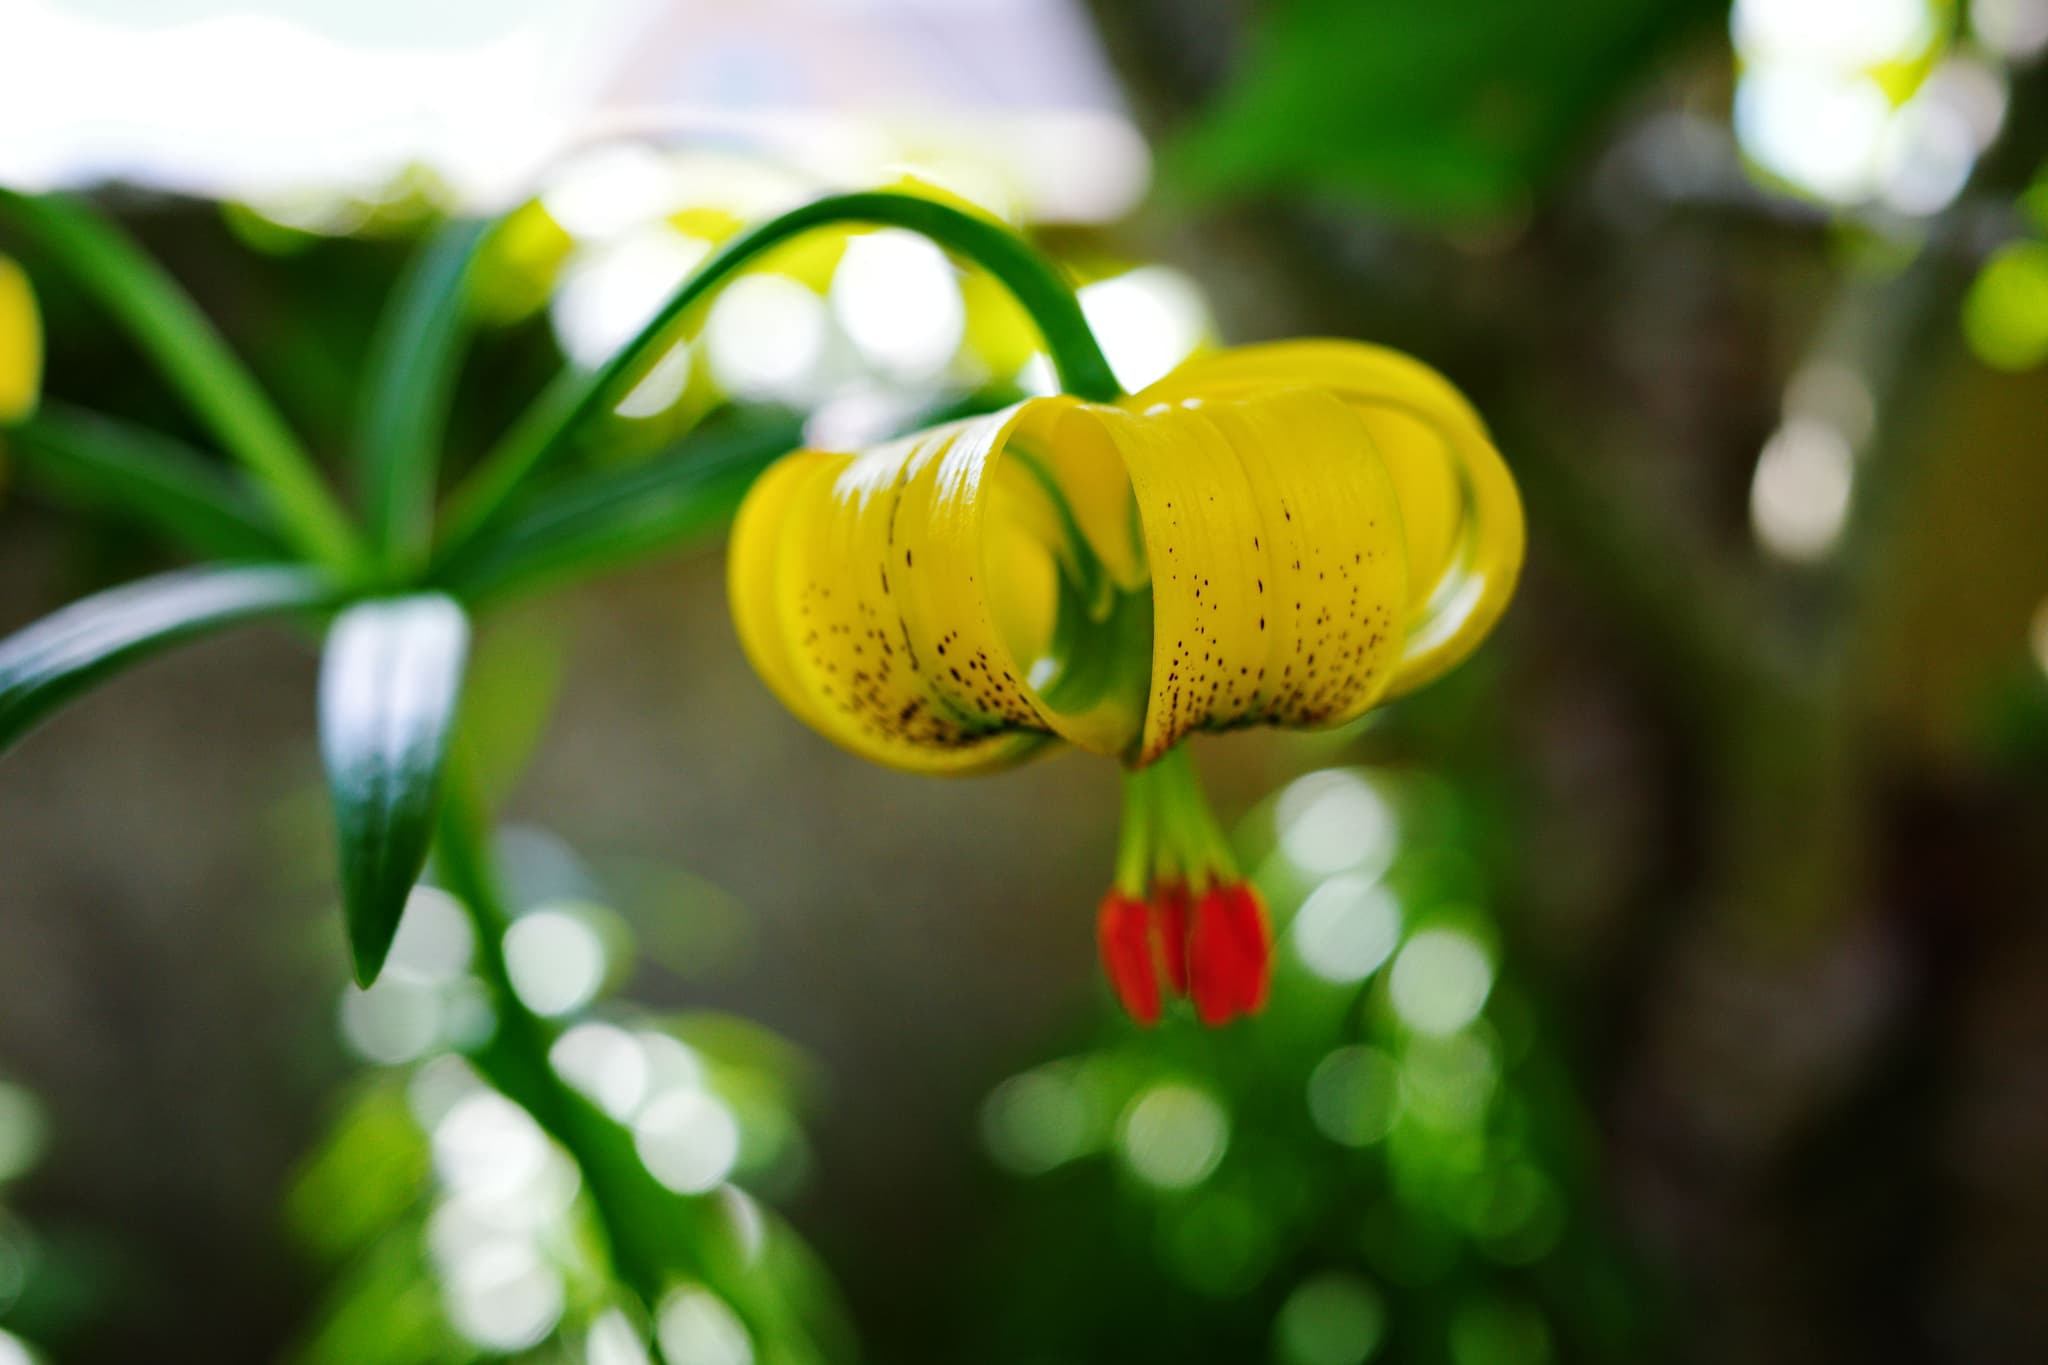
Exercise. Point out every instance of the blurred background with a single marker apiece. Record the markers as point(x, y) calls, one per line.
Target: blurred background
point(1671, 983)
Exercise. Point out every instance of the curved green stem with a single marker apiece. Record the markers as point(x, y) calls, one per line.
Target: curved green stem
point(191, 354)
point(1189, 831)
point(655, 1237)
point(1134, 849)
point(546, 426)
point(515, 1059)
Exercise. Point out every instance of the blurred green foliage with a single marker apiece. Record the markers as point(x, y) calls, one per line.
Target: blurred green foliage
point(1390, 1164)
point(1444, 113)
point(1346, 1180)
point(50, 1283)
point(451, 1228)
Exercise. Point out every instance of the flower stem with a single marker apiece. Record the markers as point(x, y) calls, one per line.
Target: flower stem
point(1134, 849)
point(191, 354)
point(545, 427)
point(516, 1057)
point(1190, 836)
point(657, 1238)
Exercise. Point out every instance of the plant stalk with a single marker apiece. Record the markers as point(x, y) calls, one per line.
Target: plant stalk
point(516, 1060)
point(545, 428)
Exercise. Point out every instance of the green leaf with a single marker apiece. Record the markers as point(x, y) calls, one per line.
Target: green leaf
point(88, 458)
point(605, 519)
point(366, 1175)
point(1442, 112)
point(385, 1309)
point(389, 681)
point(190, 353)
point(412, 369)
point(46, 664)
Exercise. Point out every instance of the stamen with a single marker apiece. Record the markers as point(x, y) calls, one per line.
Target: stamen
point(1123, 932)
point(1231, 954)
point(1216, 947)
point(1172, 916)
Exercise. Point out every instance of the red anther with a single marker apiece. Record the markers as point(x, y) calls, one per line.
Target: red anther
point(1172, 915)
point(1123, 931)
point(1248, 914)
point(1231, 954)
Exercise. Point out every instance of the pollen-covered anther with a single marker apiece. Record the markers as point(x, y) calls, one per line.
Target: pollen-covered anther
point(1230, 953)
point(1172, 916)
point(1125, 933)
point(1147, 949)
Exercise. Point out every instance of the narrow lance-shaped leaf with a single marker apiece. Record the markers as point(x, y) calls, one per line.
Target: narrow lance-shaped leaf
point(614, 516)
point(611, 517)
point(159, 482)
point(412, 372)
point(46, 664)
point(184, 345)
point(389, 681)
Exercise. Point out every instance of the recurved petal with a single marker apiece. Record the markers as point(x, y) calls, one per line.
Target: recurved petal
point(1121, 578)
point(1280, 586)
point(830, 611)
point(1461, 513)
point(904, 600)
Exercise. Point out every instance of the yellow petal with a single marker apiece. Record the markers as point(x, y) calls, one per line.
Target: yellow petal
point(1000, 334)
point(1463, 517)
point(1279, 572)
point(519, 263)
point(921, 183)
point(810, 258)
point(21, 344)
point(1242, 551)
point(707, 222)
point(898, 599)
point(1075, 446)
point(1023, 582)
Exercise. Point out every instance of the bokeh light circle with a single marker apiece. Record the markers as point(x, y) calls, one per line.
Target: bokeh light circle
point(1440, 981)
point(688, 1140)
point(1346, 928)
point(1174, 1135)
point(1331, 1319)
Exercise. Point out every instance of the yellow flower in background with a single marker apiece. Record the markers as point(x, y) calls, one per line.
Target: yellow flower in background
point(810, 259)
point(1000, 335)
point(21, 344)
point(1273, 535)
point(519, 264)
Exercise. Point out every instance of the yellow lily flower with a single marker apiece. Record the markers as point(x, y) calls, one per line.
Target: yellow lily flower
point(21, 344)
point(1282, 535)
